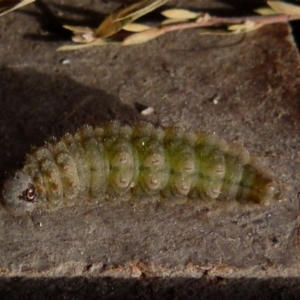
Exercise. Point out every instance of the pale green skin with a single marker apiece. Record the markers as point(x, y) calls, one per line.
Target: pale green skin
point(134, 163)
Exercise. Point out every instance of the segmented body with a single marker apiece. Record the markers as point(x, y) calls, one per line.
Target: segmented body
point(117, 162)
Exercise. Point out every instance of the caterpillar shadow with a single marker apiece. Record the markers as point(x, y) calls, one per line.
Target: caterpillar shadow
point(35, 107)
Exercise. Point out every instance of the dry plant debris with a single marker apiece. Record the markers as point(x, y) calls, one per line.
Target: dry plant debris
point(7, 6)
point(176, 19)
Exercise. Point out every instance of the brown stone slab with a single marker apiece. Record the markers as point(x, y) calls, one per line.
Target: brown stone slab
point(243, 87)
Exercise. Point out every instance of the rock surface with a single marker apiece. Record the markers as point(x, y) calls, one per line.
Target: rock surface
point(243, 87)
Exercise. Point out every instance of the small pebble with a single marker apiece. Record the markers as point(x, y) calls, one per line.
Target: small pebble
point(65, 61)
point(148, 111)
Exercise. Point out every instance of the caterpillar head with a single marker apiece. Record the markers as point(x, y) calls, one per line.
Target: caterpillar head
point(19, 194)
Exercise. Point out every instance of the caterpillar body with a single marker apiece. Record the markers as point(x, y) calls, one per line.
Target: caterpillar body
point(122, 162)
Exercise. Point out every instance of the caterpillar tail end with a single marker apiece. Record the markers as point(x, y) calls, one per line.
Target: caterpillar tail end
point(267, 192)
point(18, 195)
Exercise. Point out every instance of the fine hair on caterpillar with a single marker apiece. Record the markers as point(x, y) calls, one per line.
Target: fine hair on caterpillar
point(132, 163)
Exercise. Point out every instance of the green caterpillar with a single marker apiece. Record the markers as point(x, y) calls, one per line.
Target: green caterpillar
point(117, 162)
